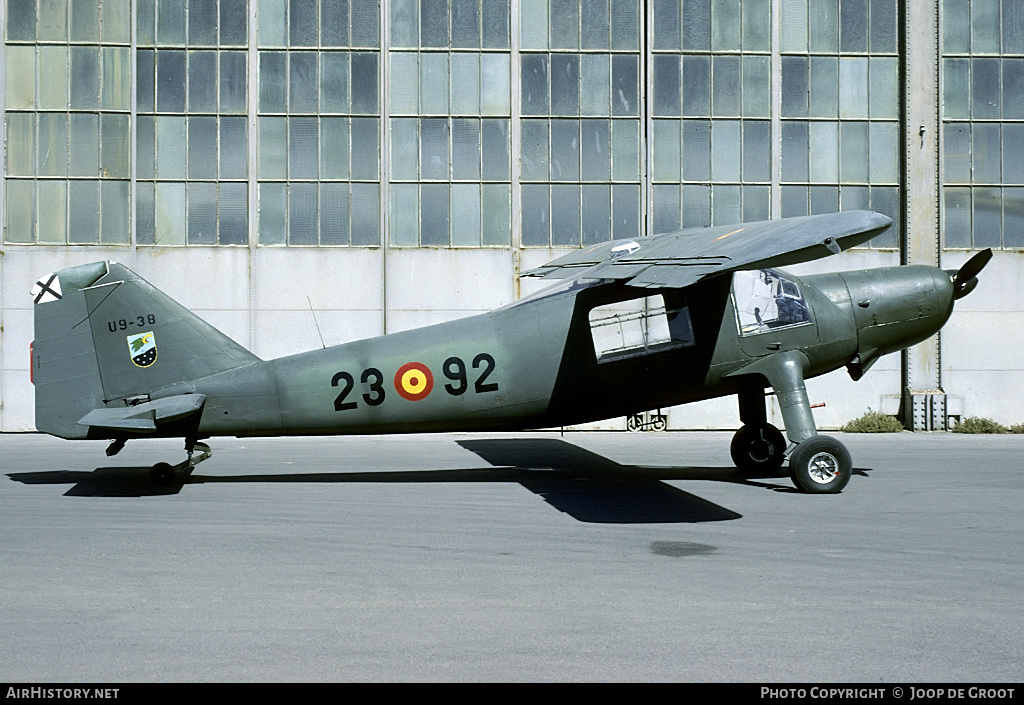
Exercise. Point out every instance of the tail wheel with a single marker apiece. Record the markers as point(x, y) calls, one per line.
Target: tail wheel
point(161, 474)
point(820, 465)
point(758, 448)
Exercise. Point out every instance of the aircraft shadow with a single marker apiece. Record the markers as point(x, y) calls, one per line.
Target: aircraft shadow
point(585, 485)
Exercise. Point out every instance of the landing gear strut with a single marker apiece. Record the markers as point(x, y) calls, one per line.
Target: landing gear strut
point(817, 464)
point(165, 473)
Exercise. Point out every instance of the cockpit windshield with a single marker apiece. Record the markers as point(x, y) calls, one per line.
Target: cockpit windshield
point(766, 300)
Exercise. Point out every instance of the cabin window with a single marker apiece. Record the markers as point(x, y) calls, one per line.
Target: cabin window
point(639, 327)
point(767, 300)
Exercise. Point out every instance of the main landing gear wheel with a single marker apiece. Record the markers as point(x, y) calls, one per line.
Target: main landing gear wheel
point(820, 465)
point(758, 449)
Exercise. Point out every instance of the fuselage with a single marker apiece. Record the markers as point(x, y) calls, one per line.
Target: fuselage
point(587, 351)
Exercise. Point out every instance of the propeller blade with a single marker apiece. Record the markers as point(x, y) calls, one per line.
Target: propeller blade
point(964, 280)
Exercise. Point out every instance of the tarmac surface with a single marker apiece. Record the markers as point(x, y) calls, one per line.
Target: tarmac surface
point(531, 557)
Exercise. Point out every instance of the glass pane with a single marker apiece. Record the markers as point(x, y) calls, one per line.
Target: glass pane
point(405, 148)
point(84, 158)
point(956, 88)
point(596, 75)
point(495, 24)
point(884, 87)
point(885, 153)
point(404, 220)
point(533, 24)
point(116, 92)
point(696, 158)
point(757, 25)
point(273, 213)
point(696, 206)
point(434, 23)
point(824, 88)
point(534, 147)
point(334, 148)
point(364, 83)
point(853, 87)
point(625, 84)
point(465, 84)
point(53, 20)
point(273, 148)
point(883, 26)
point(665, 205)
point(824, 137)
point(234, 218)
point(302, 82)
point(334, 82)
point(985, 89)
point(233, 148)
point(984, 30)
point(757, 151)
point(465, 217)
point(302, 214)
point(957, 152)
point(495, 84)
point(302, 23)
point(565, 29)
point(696, 86)
point(21, 144)
point(534, 84)
point(597, 213)
point(725, 151)
point(985, 149)
point(334, 214)
point(595, 137)
point(434, 210)
point(794, 25)
point(726, 99)
point(794, 86)
point(565, 84)
point(365, 33)
point(434, 83)
point(956, 211)
point(625, 211)
point(756, 86)
point(1013, 88)
point(202, 144)
point(20, 213)
point(234, 22)
point(853, 154)
point(170, 23)
point(365, 156)
point(697, 24)
point(145, 147)
point(565, 227)
point(565, 215)
point(85, 79)
point(666, 84)
point(536, 216)
point(665, 151)
point(405, 23)
point(404, 84)
point(53, 145)
point(202, 22)
point(987, 217)
point(85, 21)
point(853, 25)
point(625, 150)
point(434, 149)
point(823, 25)
point(1013, 217)
point(1013, 167)
point(303, 148)
point(595, 24)
point(794, 151)
point(170, 214)
point(725, 25)
point(956, 27)
point(273, 82)
point(495, 207)
point(53, 216)
point(115, 145)
point(202, 213)
point(465, 150)
point(565, 150)
point(725, 204)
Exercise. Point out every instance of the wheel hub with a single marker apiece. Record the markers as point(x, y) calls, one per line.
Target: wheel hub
point(823, 468)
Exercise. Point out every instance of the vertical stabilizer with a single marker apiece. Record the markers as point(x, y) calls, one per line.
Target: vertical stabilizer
point(105, 337)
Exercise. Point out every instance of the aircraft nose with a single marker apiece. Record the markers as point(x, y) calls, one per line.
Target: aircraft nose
point(897, 307)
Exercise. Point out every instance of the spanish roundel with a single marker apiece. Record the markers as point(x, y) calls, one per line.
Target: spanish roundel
point(414, 381)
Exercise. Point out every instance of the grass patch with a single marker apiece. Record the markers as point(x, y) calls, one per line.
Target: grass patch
point(978, 424)
point(873, 422)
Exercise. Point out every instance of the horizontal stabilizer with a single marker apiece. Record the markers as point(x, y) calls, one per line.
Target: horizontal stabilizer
point(144, 417)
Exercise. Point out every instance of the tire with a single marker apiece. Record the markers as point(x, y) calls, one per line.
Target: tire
point(759, 449)
point(161, 474)
point(820, 465)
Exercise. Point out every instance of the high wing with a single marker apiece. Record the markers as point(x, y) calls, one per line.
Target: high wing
point(679, 259)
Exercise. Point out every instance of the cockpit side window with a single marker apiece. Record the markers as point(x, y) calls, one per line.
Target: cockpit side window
point(766, 300)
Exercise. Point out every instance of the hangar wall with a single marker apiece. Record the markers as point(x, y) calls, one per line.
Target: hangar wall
point(729, 110)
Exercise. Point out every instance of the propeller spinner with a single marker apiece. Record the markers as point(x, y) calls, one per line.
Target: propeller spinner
point(966, 278)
